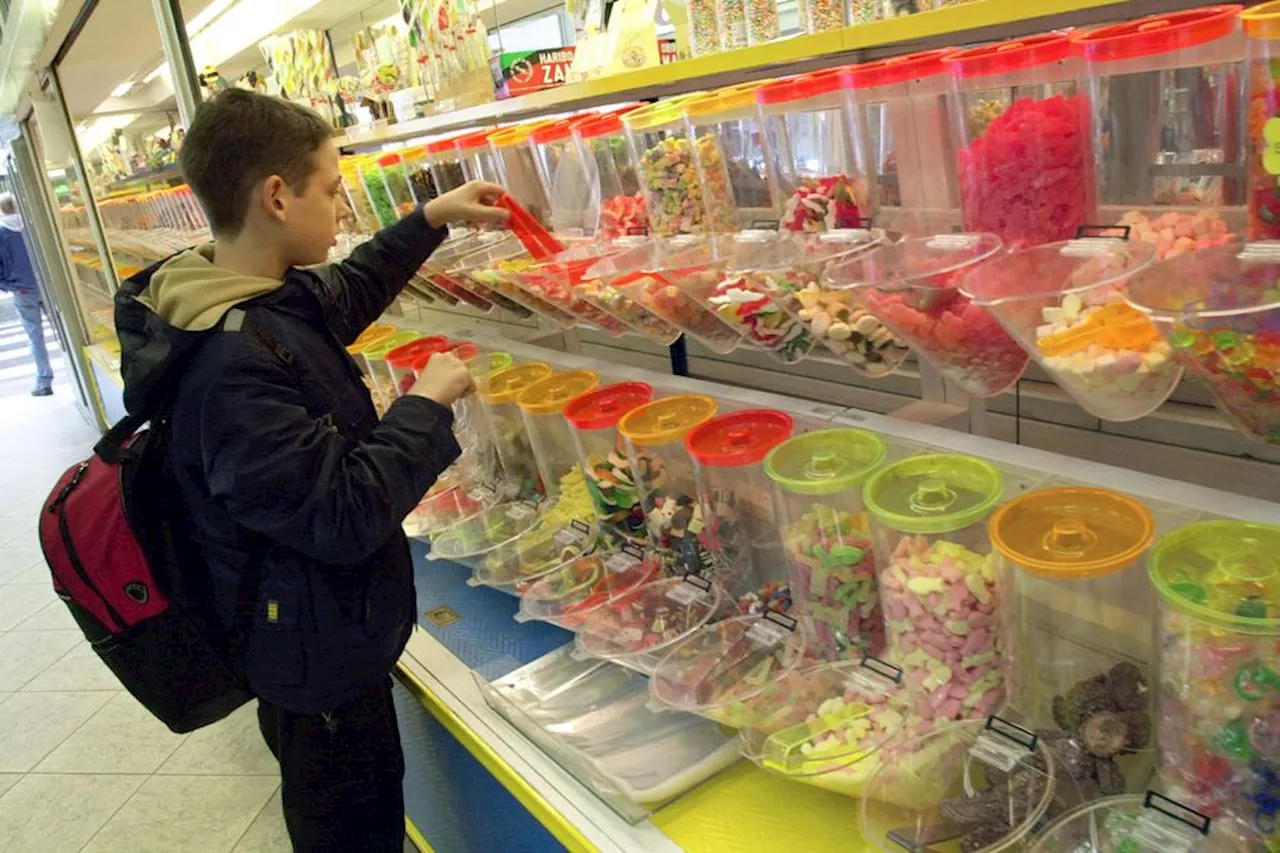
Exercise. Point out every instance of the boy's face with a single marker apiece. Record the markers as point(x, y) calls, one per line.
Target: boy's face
point(313, 214)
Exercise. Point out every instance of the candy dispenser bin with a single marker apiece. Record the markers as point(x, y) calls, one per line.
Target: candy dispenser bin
point(818, 480)
point(366, 217)
point(654, 434)
point(1262, 126)
point(395, 181)
point(498, 392)
point(371, 176)
point(378, 371)
point(728, 670)
point(939, 579)
point(479, 163)
point(517, 171)
point(637, 629)
point(594, 418)
point(825, 724)
point(732, 15)
point(1219, 309)
point(901, 103)
point(1129, 821)
point(492, 269)
point(600, 293)
point(729, 154)
point(660, 276)
point(913, 288)
point(562, 281)
point(1018, 112)
point(449, 267)
point(1064, 303)
point(542, 406)
point(611, 169)
point(403, 361)
point(818, 169)
point(1079, 615)
point(663, 154)
point(563, 175)
point(1166, 124)
point(977, 785)
point(569, 595)
point(820, 16)
point(417, 168)
point(446, 164)
point(704, 27)
point(1218, 647)
point(740, 529)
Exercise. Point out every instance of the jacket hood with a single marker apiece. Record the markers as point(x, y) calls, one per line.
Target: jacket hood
point(12, 221)
point(165, 311)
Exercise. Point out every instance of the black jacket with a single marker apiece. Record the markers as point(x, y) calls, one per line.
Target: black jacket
point(284, 469)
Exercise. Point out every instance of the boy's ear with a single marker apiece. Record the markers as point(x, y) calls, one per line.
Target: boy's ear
point(272, 196)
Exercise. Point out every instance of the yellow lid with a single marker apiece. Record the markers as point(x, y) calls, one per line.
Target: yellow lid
point(551, 395)
point(1072, 533)
point(371, 336)
point(1262, 21)
point(739, 97)
point(654, 115)
point(504, 386)
point(517, 135)
point(666, 420)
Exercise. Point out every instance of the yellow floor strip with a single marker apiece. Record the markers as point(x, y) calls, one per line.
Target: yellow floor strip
point(415, 835)
point(564, 831)
point(746, 810)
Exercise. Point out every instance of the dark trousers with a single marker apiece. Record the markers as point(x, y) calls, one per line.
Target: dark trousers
point(341, 774)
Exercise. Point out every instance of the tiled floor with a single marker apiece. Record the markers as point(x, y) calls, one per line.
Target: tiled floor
point(82, 765)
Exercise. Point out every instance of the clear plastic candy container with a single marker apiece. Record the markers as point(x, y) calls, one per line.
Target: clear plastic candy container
point(1134, 822)
point(654, 434)
point(615, 185)
point(403, 362)
point(479, 163)
point(494, 268)
point(601, 293)
point(826, 724)
point(569, 595)
point(1021, 114)
point(818, 167)
point(517, 170)
point(818, 480)
point(1219, 310)
point(740, 528)
point(478, 534)
point(940, 583)
point(417, 168)
point(725, 670)
point(1064, 303)
point(979, 786)
point(357, 196)
point(913, 287)
point(1080, 616)
point(662, 276)
point(395, 179)
point(451, 267)
point(901, 103)
point(704, 27)
point(602, 455)
point(1147, 140)
point(636, 629)
point(1218, 641)
point(384, 209)
point(563, 281)
point(1261, 25)
point(542, 405)
point(663, 154)
point(498, 392)
point(382, 388)
point(446, 164)
point(729, 153)
point(564, 177)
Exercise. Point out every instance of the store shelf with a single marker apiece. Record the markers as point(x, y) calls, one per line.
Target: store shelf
point(977, 21)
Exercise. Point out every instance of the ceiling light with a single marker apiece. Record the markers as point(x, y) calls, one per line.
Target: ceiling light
point(207, 15)
point(122, 90)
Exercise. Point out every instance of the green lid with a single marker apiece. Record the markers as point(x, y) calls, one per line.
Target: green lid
point(1222, 571)
point(934, 493)
point(825, 462)
point(489, 362)
point(399, 339)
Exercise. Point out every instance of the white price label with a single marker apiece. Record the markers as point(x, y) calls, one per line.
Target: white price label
point(767, 634)
point(691, 589)
point(567, 537)
point(519, 512)
point(873, 678)
point(621, 562)
point(1002, 744)
point(1167, 826)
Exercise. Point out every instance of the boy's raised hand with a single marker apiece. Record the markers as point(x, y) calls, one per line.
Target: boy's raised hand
point(473, 201)
point(445, 378)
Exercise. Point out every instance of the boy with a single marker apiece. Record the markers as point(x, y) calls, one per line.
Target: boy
point(292, 490)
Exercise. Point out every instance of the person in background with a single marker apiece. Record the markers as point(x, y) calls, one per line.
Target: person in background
point(17, 276)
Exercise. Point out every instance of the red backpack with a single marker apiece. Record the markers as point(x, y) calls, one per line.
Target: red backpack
point(135, 586)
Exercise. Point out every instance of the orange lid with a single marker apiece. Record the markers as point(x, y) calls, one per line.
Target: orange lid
point(805, 86)
point(555, 131)
point(517, 135)
point(1012, 55)
point(1262, 21)
point(1072, 533)
point(551, 395)
point(503, 386)
point(898, 69)
point(370, 336)
point(604, 407)
point(392, 159)
point(442, 146)
point(478, 139)
point(603, 124)
point(667, 420)
point(1159, 33)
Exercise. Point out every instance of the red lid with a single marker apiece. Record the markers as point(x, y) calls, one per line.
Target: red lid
point(804, 86)
point(1012, 55)
point(555, 131)
point(425, 353)
point(1159, 33)
point(392, 159)
point(478, 139)
point(605, 406)
point(738, 438)
point(898, 69)
point(442, 146)
point(601, 124)
point(408, 354)
point(465, 351)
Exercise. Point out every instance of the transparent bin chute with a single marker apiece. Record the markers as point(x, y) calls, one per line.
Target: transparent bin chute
point(1176, 182)
point(446, 164)
point(1127, 821)
point(730, 158)
point(478, 161)
point(568, 595)
point(615, 185)
point(663, 154)
point(913, 287)
point(818, 165)
point(562, 279)
point(1064, 303)
point(494, 268)
point(826, 724)
point(516, 168)
point(600, 292)
point(602, 456)
point(1219, 309)
point(497, 393)
point(454, 268)
point(565, 179)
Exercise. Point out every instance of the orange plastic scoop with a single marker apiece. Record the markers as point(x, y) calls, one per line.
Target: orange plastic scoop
point(1116, 326)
